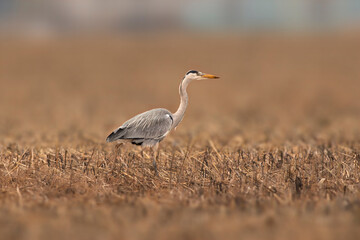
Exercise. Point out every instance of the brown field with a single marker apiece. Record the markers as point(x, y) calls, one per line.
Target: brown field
point(270, 151)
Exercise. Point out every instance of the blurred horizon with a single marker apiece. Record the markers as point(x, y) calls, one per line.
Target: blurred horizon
point(47, 18)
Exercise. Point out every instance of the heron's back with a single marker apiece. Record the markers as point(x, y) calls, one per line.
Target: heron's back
point(145, 129)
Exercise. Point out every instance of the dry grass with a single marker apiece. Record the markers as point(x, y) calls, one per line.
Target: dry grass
point(271, 151)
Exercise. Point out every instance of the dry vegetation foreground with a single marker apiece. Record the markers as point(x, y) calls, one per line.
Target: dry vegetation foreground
point(270, 152)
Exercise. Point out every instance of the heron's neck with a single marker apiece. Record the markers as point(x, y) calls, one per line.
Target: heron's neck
point(179, 114)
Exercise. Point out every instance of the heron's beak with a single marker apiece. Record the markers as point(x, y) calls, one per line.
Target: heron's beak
point(209, 76)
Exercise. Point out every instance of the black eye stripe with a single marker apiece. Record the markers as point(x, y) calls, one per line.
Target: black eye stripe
point(192, 71)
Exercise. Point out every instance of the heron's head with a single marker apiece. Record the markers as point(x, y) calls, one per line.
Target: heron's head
point(196, 75)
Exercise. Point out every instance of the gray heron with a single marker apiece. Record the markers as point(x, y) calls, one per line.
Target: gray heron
point(151, 127)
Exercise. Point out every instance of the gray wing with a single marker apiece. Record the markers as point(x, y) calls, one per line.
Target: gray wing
point(147, 128)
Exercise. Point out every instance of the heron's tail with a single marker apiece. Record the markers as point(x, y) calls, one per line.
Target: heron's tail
point(115, 135)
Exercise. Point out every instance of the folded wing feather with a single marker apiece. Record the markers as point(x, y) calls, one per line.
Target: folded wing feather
point(147, 128)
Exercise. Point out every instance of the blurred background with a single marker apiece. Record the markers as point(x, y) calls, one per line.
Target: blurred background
point(40, 17)
point(76, 69)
